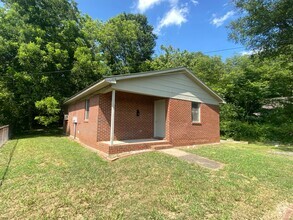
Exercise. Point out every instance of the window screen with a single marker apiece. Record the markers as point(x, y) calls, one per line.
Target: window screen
point(87, 109)
point(195, 112)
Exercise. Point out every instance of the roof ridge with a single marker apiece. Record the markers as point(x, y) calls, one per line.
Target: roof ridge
point(141, 73)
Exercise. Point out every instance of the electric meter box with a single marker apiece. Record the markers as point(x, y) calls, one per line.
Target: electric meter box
point(74, 119)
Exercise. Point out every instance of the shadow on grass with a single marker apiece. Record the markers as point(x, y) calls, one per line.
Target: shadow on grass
point(8, 163)
point(57, 132)
point(34, 133)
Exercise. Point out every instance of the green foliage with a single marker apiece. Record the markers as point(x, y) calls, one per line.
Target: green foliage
point(49, 111)
point(126, 42)
point(265, 26)
point(248, 85)
point(47, 48)
point(264, 132)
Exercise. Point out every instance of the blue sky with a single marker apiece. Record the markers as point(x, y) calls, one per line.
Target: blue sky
point(193, 25)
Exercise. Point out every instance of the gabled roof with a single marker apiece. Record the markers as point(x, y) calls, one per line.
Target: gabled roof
point(110, 81)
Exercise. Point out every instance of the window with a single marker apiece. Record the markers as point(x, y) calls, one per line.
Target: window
point(195, 112)
point(87, 109)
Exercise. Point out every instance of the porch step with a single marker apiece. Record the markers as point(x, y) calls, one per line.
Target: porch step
point(161, 146)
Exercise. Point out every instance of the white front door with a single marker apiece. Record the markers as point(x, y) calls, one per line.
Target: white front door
point(160, 119)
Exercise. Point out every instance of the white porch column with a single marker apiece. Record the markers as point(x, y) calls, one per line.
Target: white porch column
point(112, 118)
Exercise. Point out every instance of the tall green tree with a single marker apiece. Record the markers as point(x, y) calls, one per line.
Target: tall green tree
point(127, 41)
point(47, 48)
point(250, 84)
point(265, 26)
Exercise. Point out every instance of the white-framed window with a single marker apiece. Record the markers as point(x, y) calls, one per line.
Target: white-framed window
point(87, 109)
point(195, 112)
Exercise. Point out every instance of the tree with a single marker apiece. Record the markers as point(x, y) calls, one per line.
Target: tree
point(265, 26)
point(48, 110)
point(244, 86)
point(249, 84)
point(127, 41)
point(47, 48)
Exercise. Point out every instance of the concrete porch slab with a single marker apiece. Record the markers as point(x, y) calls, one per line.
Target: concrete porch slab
point(134, 141)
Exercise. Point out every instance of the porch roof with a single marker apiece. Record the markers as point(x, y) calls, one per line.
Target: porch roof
point(134, 83)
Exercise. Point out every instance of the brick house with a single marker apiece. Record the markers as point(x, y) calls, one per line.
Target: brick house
point(155, 109)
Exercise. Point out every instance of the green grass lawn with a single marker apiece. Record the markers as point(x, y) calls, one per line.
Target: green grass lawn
point(53, 177)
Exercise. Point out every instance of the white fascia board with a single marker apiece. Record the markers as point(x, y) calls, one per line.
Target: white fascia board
point(89, 91)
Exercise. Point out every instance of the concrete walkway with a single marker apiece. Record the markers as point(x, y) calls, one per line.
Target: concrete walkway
point(193, 158)
point(286, 153)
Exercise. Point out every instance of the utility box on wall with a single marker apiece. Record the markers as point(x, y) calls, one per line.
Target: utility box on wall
point(74, 119)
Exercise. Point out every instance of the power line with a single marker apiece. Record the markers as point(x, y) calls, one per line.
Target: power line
point(57, 71)
point(233, 48)
point(286, 43)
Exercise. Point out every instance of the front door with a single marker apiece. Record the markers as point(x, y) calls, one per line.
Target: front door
point(160, 119)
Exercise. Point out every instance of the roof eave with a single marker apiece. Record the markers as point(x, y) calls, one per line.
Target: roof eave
point(222, 101)
point(88, 91)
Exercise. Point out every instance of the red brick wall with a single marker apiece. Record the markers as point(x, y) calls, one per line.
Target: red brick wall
point(181, 131)
point(127, 124)
point(86, 130)
point(104, 119)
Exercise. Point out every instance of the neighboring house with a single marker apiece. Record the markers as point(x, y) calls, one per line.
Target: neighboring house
point(277, 102)
point(155, 109)
point(274, 103)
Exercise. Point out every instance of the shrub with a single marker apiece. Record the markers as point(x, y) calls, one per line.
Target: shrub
point(257, 132)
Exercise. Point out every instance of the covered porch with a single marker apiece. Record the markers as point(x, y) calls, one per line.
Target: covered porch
point(135, 121)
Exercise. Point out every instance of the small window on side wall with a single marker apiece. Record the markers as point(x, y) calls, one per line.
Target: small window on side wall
point(195, 112)
point(87, 109)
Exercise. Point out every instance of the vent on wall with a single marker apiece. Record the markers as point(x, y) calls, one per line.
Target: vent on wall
point(65, 117)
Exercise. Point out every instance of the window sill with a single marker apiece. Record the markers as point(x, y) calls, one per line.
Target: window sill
point(196, 123)
point(86, 121)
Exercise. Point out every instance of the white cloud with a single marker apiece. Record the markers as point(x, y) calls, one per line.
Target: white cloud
point(173, 3)
point(195, 3)
point(144, 5)
point(220, 21)
point(226, 4)
point(249, 52)
point(175, 16)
